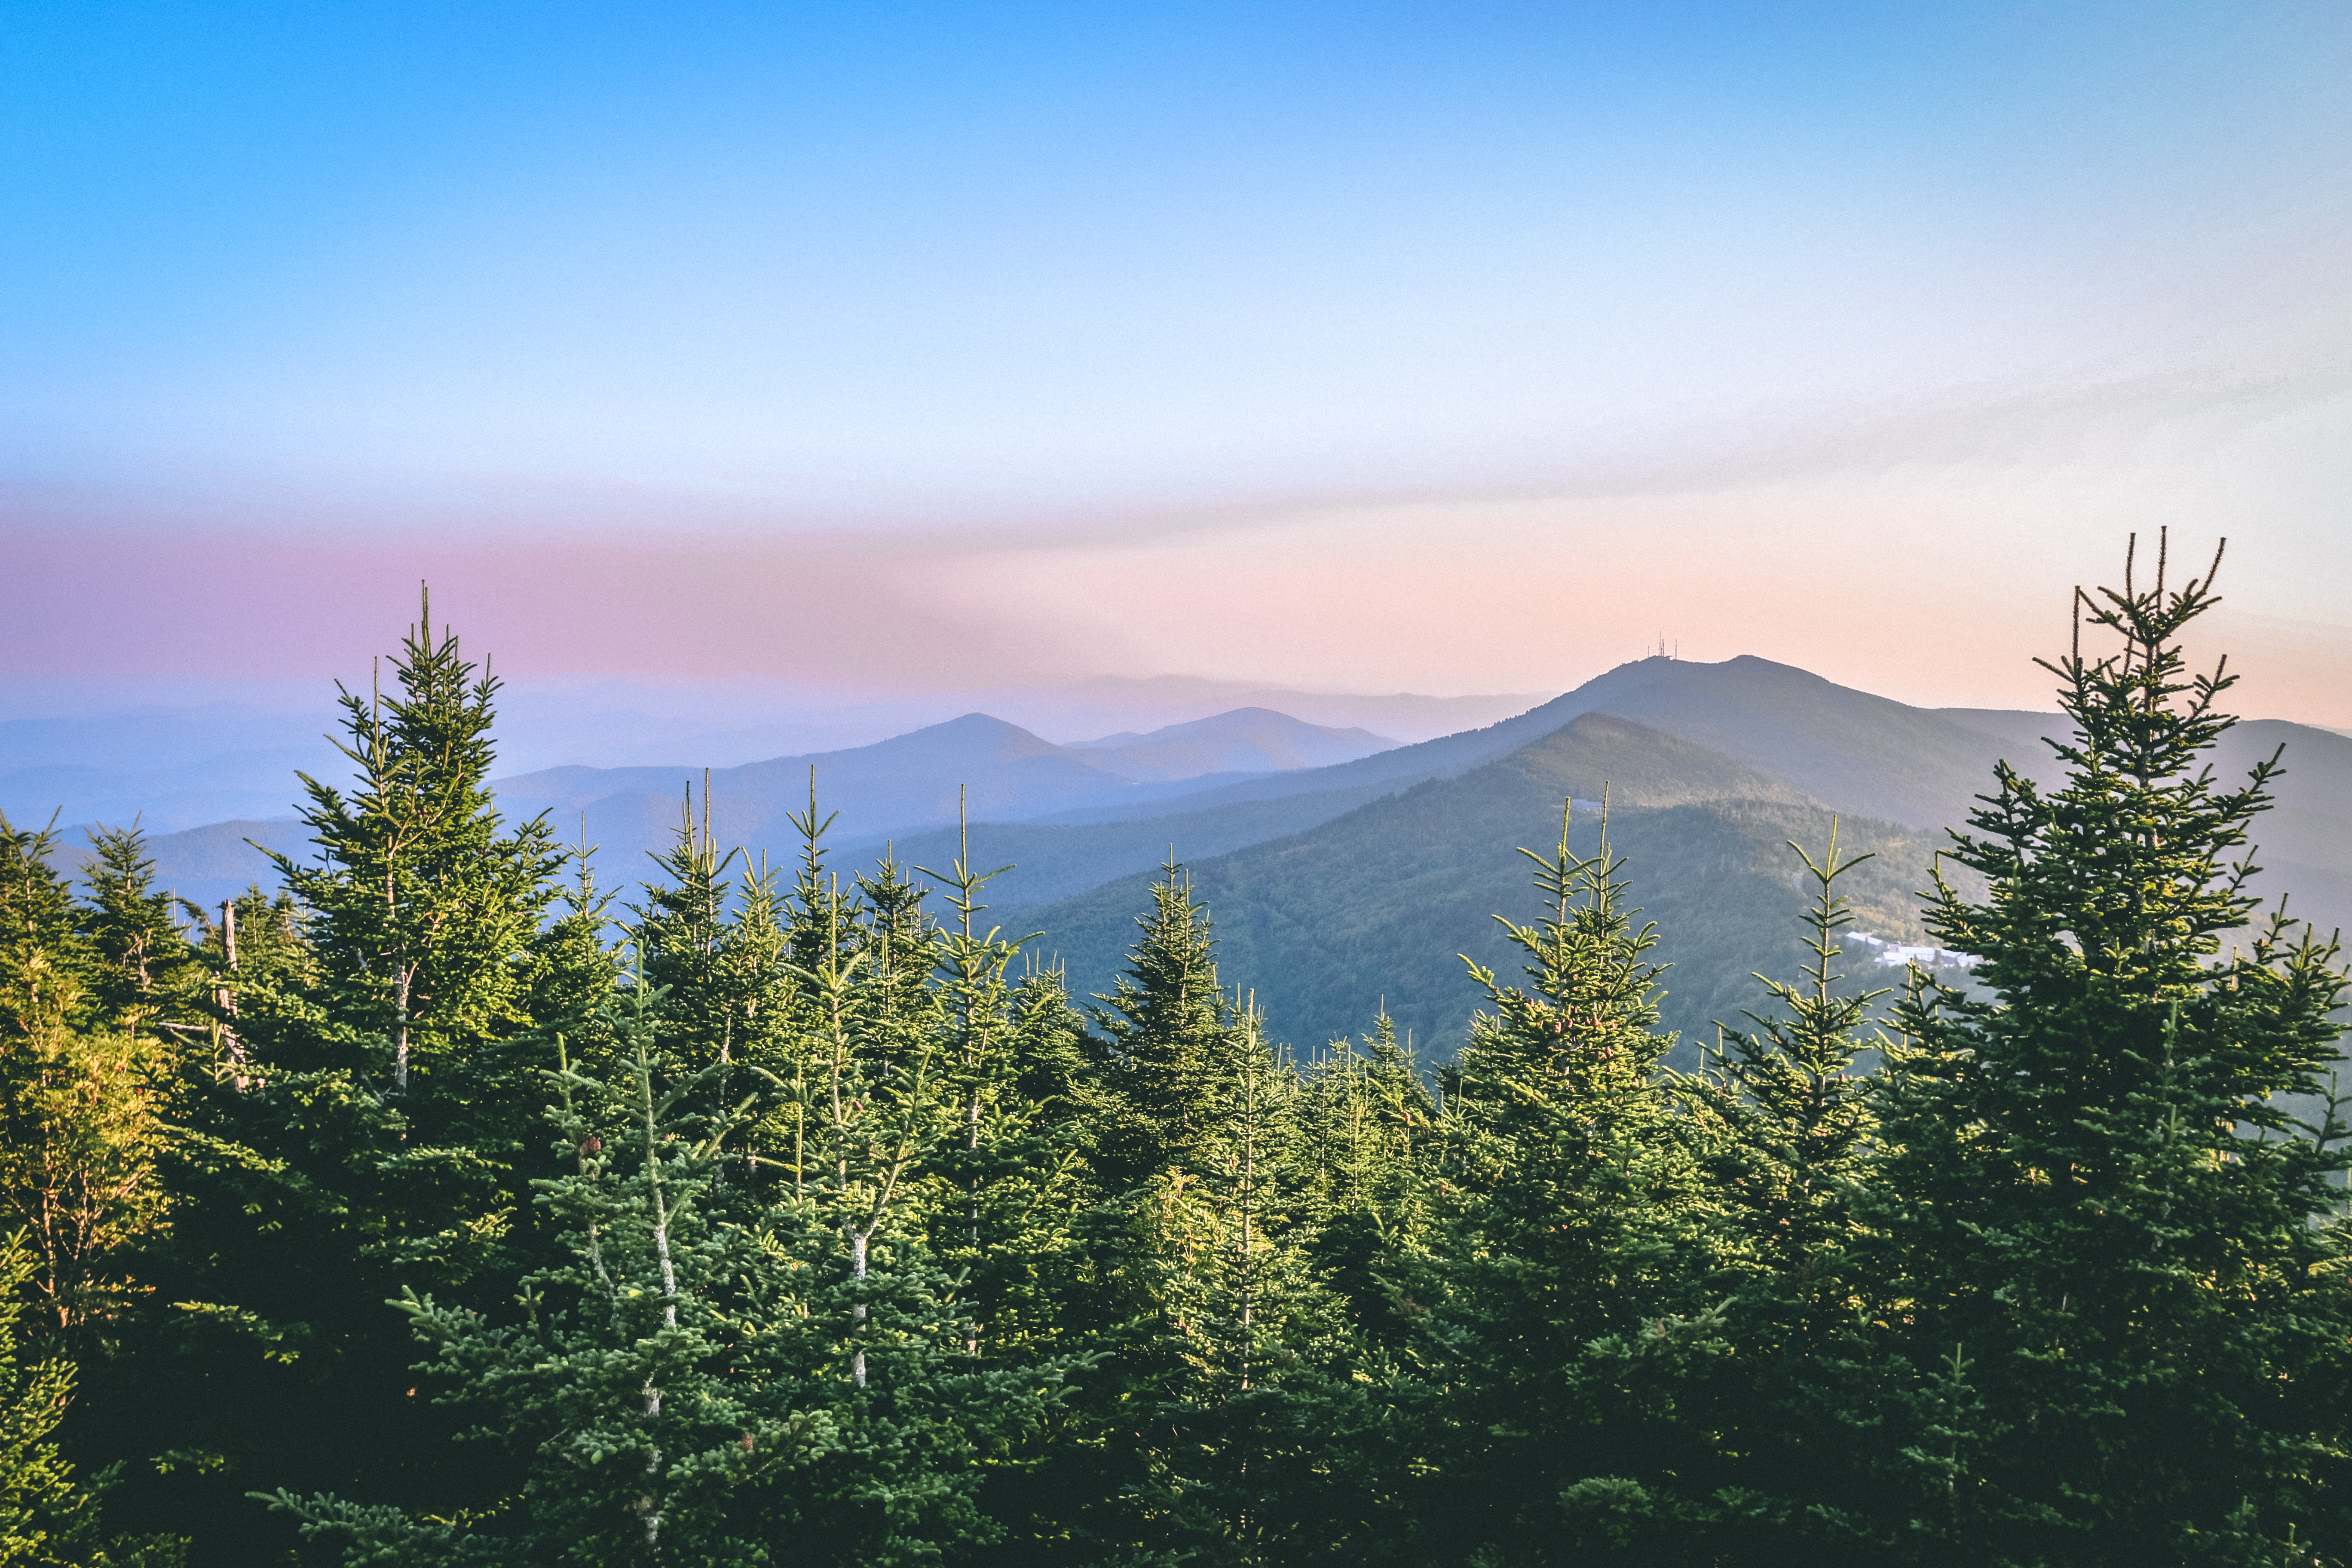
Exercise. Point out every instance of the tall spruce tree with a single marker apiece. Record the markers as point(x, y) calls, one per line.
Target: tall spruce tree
point(1369, 1128)
point(1165, 1042)
point(421, 905)
point(368, 1125)
point(1771, 1453)
point(1575, 1238)
point(2113, 1234)
point(144, 973)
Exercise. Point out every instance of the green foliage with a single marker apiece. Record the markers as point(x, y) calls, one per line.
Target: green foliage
point(419, 903)
point(1576, 1219)
point(143, 973)
point(39, 1507)
point(356, 1118)
point(422, 1214)
point(2091, 1190)
point(1167, 1032)
point(1797, 1118)
point(78, 1120)
point(47, 1519)
point(1380, 902)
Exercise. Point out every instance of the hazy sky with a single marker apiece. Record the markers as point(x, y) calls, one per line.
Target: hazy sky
point(1449, 347)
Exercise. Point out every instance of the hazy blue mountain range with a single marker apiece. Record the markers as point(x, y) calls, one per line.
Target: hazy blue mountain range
point(173, 768)
point(1720, 765)
point(1338, 884)
point(903, 788)
point(1243, 741)
point(995, 770)
point(1377, 902)
point(198, 748)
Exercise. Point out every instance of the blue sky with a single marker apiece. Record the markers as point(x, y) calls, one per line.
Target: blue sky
point(1041, 282)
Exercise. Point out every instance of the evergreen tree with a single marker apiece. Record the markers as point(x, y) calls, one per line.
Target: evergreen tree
point(40, 1507)
point(79, 1119)
point(145, 972)
point(1009, 1164)
point(2112, 1233)
point(365, 1126)
point(1797, 1119)
point(633, 1397)
point(47, 1520)
point(1576, 1236)
point(38, 918)
point(1773, 1447)
point(420, 904)
point(1370, 1126)
point(1245, 1313)
point(1165, 1043)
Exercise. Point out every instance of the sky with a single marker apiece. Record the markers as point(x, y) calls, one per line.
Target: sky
point(1446, 348)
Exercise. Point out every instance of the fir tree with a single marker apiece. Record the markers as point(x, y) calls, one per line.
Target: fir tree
point(145, 972)
point(681, 931)
point(366, 1126)
point(37, 907)
point(1369, 1128)
point(1798, 1129)
point(420, 904)
point(629, 1394)
point(80, 1123)
point(1771, 1451)
point(1165, 1042)
point(1576, 1230)
point(48, 1519)
point(2106, 1220)
point(39, 1505)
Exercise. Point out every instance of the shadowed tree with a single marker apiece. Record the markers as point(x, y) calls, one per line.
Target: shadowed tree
point(2105, 1215)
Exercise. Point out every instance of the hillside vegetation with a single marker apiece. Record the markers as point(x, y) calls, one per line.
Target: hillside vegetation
point(446, 1208)
point(1375, 905)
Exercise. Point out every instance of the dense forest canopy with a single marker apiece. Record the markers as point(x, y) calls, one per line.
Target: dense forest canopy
point(444, 1208)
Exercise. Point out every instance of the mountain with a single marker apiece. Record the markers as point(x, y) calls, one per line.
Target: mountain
point(169, 768)
point(1712, 767)
point(1868, 754)
point(1244, 740)
point(905, 788)
point(1377, 902)
point(205, 865)
point(102, 750)
point(1085, 825)
point(993, 770)
point(1908, 765)
point(1053, 861)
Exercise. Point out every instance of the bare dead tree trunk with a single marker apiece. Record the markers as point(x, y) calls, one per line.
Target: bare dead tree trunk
point(400, 1040)
point(1249, 1185)
point(650, 1504)
point(225, 997)
point(858, 1314)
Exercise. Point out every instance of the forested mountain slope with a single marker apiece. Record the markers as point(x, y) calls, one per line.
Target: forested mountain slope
point(1721, 764)
point(1861, 754)
point(430, 1213)
point(1045, 861)
point(1379, 901)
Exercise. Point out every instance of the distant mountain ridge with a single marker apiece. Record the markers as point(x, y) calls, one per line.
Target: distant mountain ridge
point(1375, 905)
point(1243, 741)
point(1375, 902)
point(1085, 819)
point(975, 765)
point(1907, 765)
